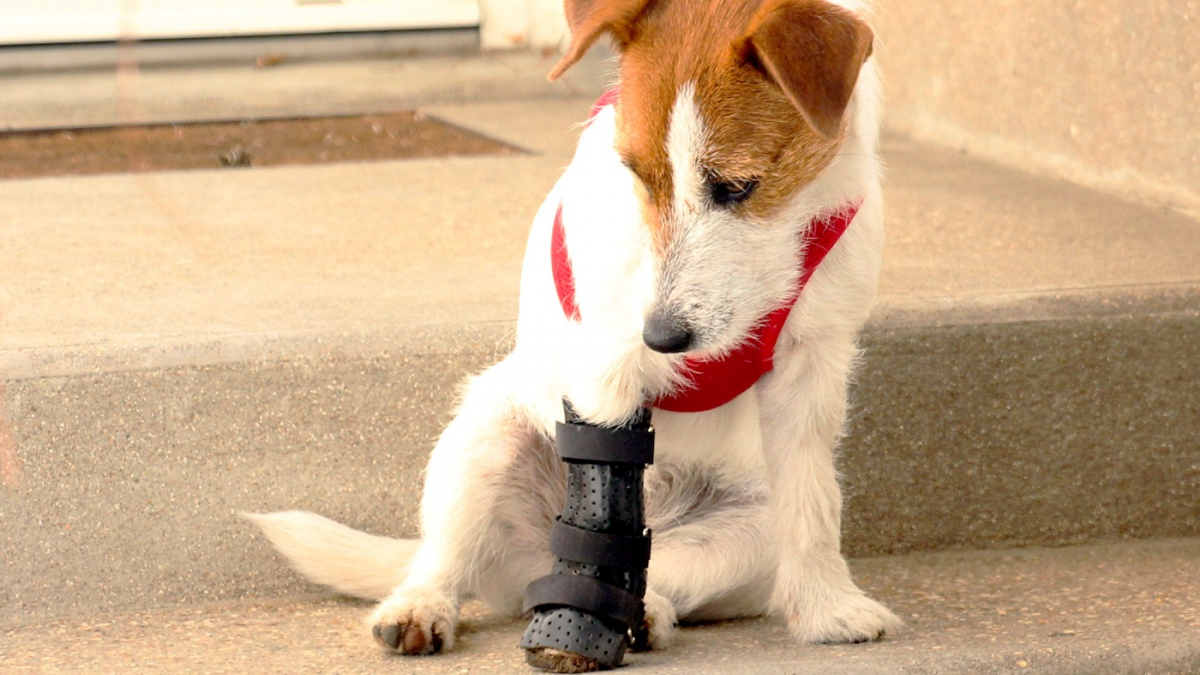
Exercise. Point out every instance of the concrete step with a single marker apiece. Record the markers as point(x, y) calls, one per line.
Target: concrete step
point(176, 347)
point(1113, 608)
point(140, 93)
point(266, 50)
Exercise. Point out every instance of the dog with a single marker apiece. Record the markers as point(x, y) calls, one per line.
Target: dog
point(687, 215)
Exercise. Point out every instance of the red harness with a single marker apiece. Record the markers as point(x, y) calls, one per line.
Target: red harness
point(714, 382)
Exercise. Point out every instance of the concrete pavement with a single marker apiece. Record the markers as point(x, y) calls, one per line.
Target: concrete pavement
point(1124, 608)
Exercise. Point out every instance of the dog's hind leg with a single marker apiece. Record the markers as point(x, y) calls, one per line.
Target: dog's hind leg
point(467, 476)
point(802, 405)
point(711, 558)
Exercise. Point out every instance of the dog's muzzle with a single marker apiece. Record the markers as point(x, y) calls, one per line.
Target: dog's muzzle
point(591, 604)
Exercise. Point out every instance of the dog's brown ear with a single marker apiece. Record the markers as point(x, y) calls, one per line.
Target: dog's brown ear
point(813, 50)
point(589, 19)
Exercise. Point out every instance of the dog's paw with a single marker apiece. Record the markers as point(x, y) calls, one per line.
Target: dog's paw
point(848, 618)
point(658, 627)
point(415, 623)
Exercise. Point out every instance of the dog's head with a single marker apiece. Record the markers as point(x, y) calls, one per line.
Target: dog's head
point(728, 109)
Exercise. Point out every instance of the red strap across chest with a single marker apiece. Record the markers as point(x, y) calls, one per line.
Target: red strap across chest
point(715, 382)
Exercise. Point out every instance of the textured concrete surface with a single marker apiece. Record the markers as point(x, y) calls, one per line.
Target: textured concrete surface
point(1097, 610)
point(1103, 93)
point(961, 228)
point(149, 259)
point(158, 260)
point(1036, 432)
point(977, 436)
point(163, 93)
point(130, 481)
point(175, 347)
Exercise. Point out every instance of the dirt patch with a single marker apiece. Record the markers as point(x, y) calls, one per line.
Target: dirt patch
point(250, 143)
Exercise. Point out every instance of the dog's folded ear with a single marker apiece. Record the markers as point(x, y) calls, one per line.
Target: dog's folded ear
point(813, 51)
point(589, 19)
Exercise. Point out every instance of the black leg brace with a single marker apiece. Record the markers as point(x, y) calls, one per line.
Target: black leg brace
point(593, 600)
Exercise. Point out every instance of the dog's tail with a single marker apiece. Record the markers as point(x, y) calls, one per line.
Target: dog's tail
point(329, 553)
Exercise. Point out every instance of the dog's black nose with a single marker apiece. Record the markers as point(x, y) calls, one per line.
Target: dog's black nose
point(665, 334)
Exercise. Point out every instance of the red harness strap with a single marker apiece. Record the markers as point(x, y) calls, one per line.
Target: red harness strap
point(714, 382)
point(606, 99)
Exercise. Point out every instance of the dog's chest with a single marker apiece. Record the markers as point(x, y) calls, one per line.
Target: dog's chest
point(727, 440)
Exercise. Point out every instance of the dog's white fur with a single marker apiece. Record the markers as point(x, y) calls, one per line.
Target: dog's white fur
point(743, 500)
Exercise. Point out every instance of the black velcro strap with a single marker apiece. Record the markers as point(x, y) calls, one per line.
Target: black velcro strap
point(603, 445)
point(600, 548)
point(585, 593)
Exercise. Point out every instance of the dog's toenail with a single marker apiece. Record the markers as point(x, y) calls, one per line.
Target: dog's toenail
point(389, 635)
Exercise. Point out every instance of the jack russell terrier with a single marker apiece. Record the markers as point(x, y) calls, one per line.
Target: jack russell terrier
point(711, 251)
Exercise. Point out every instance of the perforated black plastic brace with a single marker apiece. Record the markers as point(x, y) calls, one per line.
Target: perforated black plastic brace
point(592, 601)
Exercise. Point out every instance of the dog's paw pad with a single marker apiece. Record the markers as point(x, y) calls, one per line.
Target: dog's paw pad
point(559, 661)
point(408, 639)
point(414, 629)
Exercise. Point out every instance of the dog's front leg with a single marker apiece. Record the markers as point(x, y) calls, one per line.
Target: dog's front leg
point(463, 483)
point(803, 406)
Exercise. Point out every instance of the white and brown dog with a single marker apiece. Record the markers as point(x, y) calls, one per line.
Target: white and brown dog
point(689, 212)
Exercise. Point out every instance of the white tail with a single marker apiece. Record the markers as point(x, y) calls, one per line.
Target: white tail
point(329, 553)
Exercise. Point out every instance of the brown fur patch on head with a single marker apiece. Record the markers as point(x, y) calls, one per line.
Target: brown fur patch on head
point(756, 129)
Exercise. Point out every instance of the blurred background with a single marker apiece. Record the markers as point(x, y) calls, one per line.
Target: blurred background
point(1099, 93)
point(249, 250)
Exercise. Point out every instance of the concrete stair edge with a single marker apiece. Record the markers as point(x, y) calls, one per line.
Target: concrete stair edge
point(1109, 609)
point(496, 336)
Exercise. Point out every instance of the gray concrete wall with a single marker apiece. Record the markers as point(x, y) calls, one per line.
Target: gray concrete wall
point(1103, 93)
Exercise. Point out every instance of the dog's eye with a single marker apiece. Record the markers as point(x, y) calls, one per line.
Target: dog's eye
point(732, 192)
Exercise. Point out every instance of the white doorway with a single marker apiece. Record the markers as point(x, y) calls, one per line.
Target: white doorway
point(23, 22)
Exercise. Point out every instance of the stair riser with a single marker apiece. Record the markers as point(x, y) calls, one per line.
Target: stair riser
point(970, 436)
